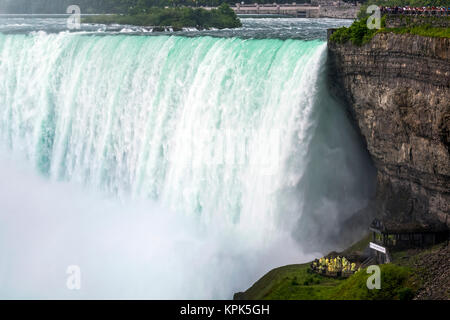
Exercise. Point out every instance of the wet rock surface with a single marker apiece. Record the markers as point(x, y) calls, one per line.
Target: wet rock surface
point(397, 88)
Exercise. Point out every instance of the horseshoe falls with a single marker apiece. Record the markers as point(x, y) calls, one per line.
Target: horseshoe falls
point(169, 166)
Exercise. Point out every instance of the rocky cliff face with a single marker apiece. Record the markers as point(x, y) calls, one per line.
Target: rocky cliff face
point(397, 88)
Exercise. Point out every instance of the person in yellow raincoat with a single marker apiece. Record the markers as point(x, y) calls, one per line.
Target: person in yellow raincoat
point(344, 262)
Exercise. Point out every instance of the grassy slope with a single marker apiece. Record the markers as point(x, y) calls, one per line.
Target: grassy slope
point(292, 282)
point(399, 280)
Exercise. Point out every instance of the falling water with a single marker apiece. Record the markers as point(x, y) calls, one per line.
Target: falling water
point(175, 165)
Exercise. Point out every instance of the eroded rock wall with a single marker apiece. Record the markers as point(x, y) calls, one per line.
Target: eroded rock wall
point(397, 88)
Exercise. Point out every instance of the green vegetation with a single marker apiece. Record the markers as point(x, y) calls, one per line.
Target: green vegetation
point(400, 280)
point(293, 282)
point(297, 282)
point(397, 283)
point(357, 33)
point(222, 17)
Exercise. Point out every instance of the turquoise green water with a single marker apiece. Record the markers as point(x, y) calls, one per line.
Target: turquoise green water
point(155, 117)
point(238, 136)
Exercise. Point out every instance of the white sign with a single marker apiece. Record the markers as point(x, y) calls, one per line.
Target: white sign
point(377, 247)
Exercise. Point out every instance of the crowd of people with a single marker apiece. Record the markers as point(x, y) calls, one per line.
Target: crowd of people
point(407, 10)
point(334, 265)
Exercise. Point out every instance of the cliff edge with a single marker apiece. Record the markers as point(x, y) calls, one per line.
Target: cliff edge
point(397, 88)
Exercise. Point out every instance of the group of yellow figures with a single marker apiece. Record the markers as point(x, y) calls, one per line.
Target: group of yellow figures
point(334, 265)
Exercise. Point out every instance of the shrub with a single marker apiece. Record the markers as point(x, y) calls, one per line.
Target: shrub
point(357, 33)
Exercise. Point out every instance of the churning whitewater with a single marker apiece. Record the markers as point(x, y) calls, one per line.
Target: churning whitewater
point(188, 121)
point(162, 166)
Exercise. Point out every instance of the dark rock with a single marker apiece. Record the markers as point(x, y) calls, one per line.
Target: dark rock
point(397, 88)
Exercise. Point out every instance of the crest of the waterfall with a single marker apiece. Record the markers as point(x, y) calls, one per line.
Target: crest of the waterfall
point(203, 125)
